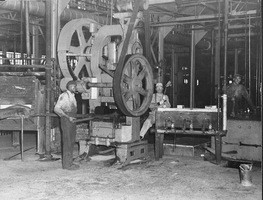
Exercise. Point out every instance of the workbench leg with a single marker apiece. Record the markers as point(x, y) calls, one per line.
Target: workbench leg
point(157, 145)
point(218, 148)
point(22, 138)
point(161, 145)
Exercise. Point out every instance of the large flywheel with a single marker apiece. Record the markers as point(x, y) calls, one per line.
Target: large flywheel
point(133, 86)
point(74, 46)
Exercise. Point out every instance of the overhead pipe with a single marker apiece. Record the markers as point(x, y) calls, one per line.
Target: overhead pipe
point(38, 9)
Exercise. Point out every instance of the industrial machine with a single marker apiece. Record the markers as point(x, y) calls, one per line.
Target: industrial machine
point(108, 64)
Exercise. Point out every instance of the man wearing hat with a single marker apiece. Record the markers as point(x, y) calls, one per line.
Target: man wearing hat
point(236, 92)
point(159, 100)
point(66, 108)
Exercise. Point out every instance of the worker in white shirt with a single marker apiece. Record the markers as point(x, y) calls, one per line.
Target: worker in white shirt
point(66, 108)
point(159, 100)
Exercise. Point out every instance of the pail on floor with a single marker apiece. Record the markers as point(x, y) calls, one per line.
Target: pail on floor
point(245, 174)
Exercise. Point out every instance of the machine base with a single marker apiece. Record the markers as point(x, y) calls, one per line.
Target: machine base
point(132, 151)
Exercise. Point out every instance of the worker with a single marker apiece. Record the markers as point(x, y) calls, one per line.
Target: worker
point(66, 108)
point(159, 100)
point(236, 92)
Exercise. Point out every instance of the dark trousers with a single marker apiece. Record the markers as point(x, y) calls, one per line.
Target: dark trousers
point(68, 141)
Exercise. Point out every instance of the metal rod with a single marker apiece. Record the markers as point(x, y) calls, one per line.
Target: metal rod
point(245, 74)
point(225, 44)
point(192, 71)
point(224, 112)
point(212, 80)
point(48, 77)
point(14, 53)
point(236, 59)
point(249, 56)
point(21, 31)
point(28, 66)
point(28, 49)
point(218, 63)
point(22, 138)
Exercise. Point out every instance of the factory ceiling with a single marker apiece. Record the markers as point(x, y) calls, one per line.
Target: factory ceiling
point(177, 18)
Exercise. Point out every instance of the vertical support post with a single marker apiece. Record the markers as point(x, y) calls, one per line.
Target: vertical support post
point(28, 48)
point(249, 55)
point(48, 77)
point(35, 46)
point(218, 148)
point(147, 36)
point(22, 138)
point(224, 111)
point(225, 43)
point(174, 78)
point(14, 53)
point(236, 61)
point(217, 62)
point(160, 53)
point(157, 145)
point(212, 80)
point(21, 31)
point(54, 36)
point(192, 72)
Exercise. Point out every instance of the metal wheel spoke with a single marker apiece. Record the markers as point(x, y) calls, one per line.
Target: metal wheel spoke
point(141, 91)
point(127, 79)
point(127, 95)
point(135, 68)
point(81, 37)
point(142, 73)
point(136, 101)
point(75, 50)
point(80, 65)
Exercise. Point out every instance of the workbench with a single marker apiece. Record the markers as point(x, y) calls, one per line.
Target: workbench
point(186, 121)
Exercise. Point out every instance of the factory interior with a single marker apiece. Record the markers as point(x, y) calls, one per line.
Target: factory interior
point(204, 140)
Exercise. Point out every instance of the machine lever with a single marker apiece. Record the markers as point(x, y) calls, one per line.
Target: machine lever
point(249, 145)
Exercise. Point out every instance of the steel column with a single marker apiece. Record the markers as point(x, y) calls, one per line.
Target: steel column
point(192, 72)
point(48, 78)
point(236, 61)
point(225, 44)
point(249, 55)
point(160, 54)
point(28, 49)
point(174, 78)
point(21, 31)
point(212, 79)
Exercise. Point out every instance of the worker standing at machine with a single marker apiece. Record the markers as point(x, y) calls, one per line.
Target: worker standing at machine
point(66, 108)
point(159, 100)
point(236, 92)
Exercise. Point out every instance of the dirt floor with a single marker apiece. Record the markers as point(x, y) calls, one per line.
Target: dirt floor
point(172, 177)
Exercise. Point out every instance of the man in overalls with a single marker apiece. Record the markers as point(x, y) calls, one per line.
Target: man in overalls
point(66, 108)
point(159, 100)
point(236, 93)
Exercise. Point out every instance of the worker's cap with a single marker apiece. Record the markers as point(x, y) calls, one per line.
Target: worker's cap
point(237, 75)
point(71, 83)
point(159, 85)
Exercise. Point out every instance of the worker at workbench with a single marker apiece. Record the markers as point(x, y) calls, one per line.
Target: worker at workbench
point(66, 108)
point(159, 100)
point(236, 94)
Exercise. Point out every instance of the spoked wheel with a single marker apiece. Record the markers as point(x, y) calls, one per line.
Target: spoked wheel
point(74, 45)
point(133, 86)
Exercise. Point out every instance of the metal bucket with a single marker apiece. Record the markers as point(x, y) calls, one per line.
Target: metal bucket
point(245, 174)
